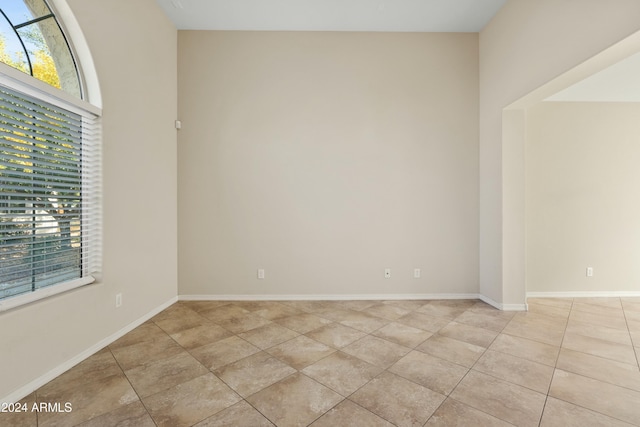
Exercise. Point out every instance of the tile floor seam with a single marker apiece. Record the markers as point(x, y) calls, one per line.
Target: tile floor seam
point(448, 396)
point(530, 339)
point(351, 394)
point(556, 369)
point(367, 382)
point(376, 330)
point(501, 379)
point(372, 379)
point(487, 347)
point(371, 412)
point(462, 379)
point(367, 409)
point(633, 344)
point(598, 355)
point(546, 398)
point(476, 408)
point(325, 412)
point(229, 385)
point(422, 385)
point(247, 397)
point(191, 350)
point(564, 333)
point(544, 407)
point(298, 371)
point(258, 410)
point(594, 410)
point(594, 378)
point(513, 383)
point(132, 387)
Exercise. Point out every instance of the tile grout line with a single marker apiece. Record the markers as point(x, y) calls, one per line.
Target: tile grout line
point(344, 398)
point(242, 398)
point(298, 371)
point(384, 370)
point(575, 404)
point(633, 347)
point(546, 398)
point(370, 334)
point(469, 370)
point(131, 385)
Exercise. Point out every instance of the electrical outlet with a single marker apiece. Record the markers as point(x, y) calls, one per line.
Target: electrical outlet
point(260, 273)
point(589, 271)
point(387, 273)
point(416, 273)
point(118, 300)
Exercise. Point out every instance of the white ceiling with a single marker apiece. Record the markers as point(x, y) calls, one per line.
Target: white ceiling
point(618, 83)
point(332, 15)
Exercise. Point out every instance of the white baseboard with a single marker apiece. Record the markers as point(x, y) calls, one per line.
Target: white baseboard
point(339, 297)
point(584, 294)
point(322, 297)
point(29, 388)
point(503, 307)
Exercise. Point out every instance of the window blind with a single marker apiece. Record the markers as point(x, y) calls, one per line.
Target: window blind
point(50, 225)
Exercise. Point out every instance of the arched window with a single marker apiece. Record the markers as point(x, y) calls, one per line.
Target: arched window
point(50, 165)
point(33, 42)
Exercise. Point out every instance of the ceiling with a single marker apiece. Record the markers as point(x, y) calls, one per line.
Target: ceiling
point(332, 15)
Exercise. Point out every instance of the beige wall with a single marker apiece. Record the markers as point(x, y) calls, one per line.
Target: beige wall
point(134, 49)
point(325, 158)
point(583, 204)
point(527, 44)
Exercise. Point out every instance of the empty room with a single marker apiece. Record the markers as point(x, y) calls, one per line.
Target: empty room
point(319, 213)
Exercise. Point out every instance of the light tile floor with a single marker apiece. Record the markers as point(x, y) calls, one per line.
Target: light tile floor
point(565, 362)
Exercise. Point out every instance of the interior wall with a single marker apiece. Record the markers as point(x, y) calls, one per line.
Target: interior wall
point(583, 204)
point(526, 45)
point(134, 49)
point(325, 158)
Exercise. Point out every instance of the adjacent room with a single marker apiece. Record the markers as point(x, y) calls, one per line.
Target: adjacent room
point(292, 213)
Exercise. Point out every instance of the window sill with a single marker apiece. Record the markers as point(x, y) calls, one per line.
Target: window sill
point(20, 300)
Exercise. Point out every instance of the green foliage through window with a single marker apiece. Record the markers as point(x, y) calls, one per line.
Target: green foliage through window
point(31, 40)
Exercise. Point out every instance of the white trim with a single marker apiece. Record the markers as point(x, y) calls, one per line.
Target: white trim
point(20, 300)
point(27, 389)
point(584, 294)
point(504, 307)
point(514, 307)
point(322, 297)
point(29, 85)
point(80, 51)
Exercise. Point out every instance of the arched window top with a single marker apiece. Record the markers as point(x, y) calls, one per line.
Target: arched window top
point(32, 41)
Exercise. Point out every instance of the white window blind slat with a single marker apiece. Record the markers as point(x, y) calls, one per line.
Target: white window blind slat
point(36, 122)
point(50, 197)
point(29, 107)
point(17, 149)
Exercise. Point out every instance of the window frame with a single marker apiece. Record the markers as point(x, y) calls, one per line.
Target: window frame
point(32, 87)
point(54, 15)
